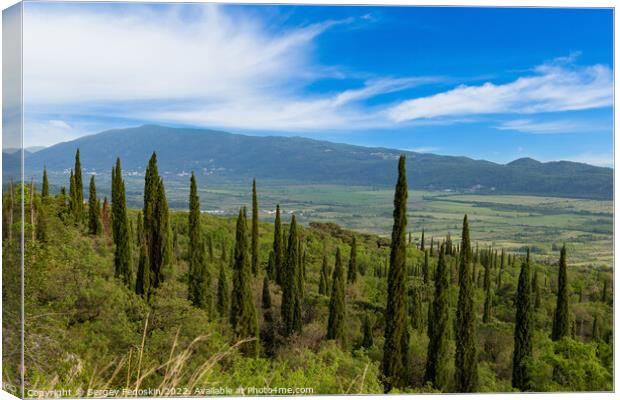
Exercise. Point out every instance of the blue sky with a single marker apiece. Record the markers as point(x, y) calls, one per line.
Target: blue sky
point(489, 83)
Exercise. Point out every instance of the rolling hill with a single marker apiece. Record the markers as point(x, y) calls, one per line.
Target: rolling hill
point(222, 156)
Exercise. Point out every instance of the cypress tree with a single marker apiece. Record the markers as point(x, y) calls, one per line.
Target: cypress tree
point(324, 280)
point(335, 323)
point(466, 362)
point(488, 296)
point(416, 309)
point(222, 291)
point(439, 327)
point(73, 206)
point(524, 329)
point(301, 272)
point(197, 280)
point(367, 340)
point(535, 291)
point(604, 294)
point(395, 346)
point(45, 186)
point(254, 229)
point(425, 268)
point(266, 295)
point(105, 217)
point(422, 241)
point(277, 247)
point(242, 312)
point(156, 223)
point(143, 279)
point(291, 290)
point(501, 270)
point(122, 239)
point(94, 222)
point(271, 265)
point(41, 225)
point(561, 320)
point(432, 244)
point(352, 271)
point(209, 246)
point(79, 187)
point(596, 329)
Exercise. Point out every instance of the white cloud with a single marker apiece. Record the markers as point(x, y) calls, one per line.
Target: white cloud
point(555, 86)
point(45, 133)
point(225, 70)
point(214, 69)
point(80, 54)
point(425, 149)
point(549, 127)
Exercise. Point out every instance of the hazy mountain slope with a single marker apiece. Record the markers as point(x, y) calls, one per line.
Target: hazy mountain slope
point(221, 155)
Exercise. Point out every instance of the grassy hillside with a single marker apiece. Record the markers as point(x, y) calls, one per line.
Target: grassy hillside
point(86, 331)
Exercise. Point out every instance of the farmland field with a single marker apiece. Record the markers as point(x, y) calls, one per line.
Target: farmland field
point(506, 221)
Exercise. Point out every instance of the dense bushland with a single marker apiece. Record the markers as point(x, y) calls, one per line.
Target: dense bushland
point(154, 298)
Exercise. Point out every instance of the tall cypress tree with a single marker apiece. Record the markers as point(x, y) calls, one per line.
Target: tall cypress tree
point(79, 187)
point(94, 221)
point(156, 223)
point(45, 186)
point(266, 294)
point(395, 346)
point(466, 362)
point(141, 282)
point(210, 252)
point(488, 295)
point(271, 265)
point(367, 340)
point(242, 312)
point(120, 222)
point(439, 327)
point(143, 279)
point(416, 308)
point(335, 322)
point(425, 268)
point(422, 241)
point(352, 271)
point(198, 273)
point(501, 270)
point(291, 290)
point(604, 294)
point(535, 290)
point(73, 207)
point(222, 291)
point(561, 320)
point(277, 247)
point(524, 329)
point(323, 281)
point(254, 229)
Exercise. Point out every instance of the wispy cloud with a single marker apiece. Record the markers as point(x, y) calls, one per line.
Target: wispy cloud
point(425, 149)
point(214, 69)
point(549, 127)
point(233, 70)
point(554, 86)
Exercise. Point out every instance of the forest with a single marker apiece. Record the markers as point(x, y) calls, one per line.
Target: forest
point(155, 301)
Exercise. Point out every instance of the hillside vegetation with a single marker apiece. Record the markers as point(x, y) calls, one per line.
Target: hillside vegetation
point(157, 302)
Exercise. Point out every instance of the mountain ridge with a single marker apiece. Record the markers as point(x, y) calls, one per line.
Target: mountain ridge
point(221, 155)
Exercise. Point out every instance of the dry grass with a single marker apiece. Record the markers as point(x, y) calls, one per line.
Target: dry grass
point(175, 372)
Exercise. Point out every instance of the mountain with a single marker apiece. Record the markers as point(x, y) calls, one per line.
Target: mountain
point(222, 156)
